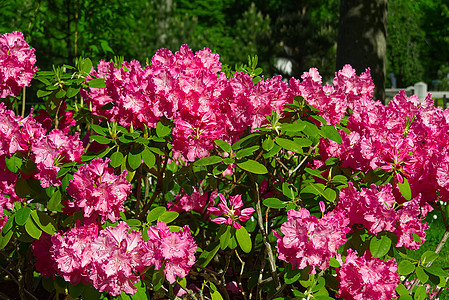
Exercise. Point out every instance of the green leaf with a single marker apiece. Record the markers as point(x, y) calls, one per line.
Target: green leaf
point(22, 215)
point(303, 142)
point(43, 93)
point(133, 223)
point(100, 139)
point(436, 270)
point(421, 274)
point(319, 285)
point(168, 216)
point(420, 293)
point(13, 163)
point(116, 159)
point(225, 237)
point(225, 146)
point(5, 239)
point(405, 267)
point(98, 129)
point(71, 92)
point(7, 227)
point(207, 255)
point(90, 293)
point(401, 289)
point(216, 295)
point(97, 83)
point(318, 189)
point(155, 213)
point(268, 144)
point(295, 127)
point(274, 203)
point(291, 276)
point(62, 172)
point(428, 256)
point(86, 65)
point(246, 151)
point(158, 279)
point(209, 160)
point(134, 160)
point(54, 201)
point(289, 145)
point(253, 167)
point(44, 222)
point(61, 93)
point(330, 194)
point(417, 239)
point(333, 262)
point(32, 229)
point(331, 133)
point(162, 130)
point(287, 191)
point(148, 158)
point(380, 246)
point(243, 239)
point(404, 187)
point(76, 290)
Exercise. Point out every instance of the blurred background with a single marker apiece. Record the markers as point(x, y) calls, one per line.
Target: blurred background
point(289, 36)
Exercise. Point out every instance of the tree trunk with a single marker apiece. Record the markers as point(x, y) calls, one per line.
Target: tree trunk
point(362, 39)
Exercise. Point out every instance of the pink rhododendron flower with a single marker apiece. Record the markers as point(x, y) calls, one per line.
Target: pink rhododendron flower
point(174, 249)
point(309, 241)
point(53, 150)
point(43, 261)
point(365, 277)
point(16, 64)
point(72, 253)
point(116, 257)
point(231, 213)
point(98, 191)
point(197, 201)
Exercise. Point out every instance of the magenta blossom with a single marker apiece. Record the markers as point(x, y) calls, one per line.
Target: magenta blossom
point(232, 213)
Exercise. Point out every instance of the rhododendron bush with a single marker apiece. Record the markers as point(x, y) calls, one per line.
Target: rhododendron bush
point(181, 178)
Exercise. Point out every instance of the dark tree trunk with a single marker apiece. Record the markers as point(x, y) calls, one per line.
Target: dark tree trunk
point(362, 39)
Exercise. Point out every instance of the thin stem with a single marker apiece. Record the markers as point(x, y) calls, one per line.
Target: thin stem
point(23, 102)
point(17, 282)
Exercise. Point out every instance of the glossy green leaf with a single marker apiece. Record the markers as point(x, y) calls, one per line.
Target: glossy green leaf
point(436, 270)
point(86, 65)
point(253, 167)
point(225, 237)
point(333, 262)
point(420, 293)
point(44, 222)
point(43, 93)
point(223, 145)
point(289, 145)
point(71, 92)
point(274, 203)
point(22, 215)
point(416, 238)
point(100, 139)
point(4, 239)
point(54, 201)
point(295, 127)
point(209, 253)
point(406, 297)
point(243, 239)
point(98, 129)
point(61, 93)
point(13, 163)
point(406, 267)
point(428, 256)
point(168, 216)
point(268, 144)
point(331, 133)
point(155, 213)
point(206, 161)
point(291, 276)
point(134, 160)
point(405, 190)
point(421, 274)
point(76, 290)
point(246, 151)
point(133, 223)
point(116, 159)
point(32, 229)
point(380, 246)
point(97, 83)
point(148, 158)
point(162, 130)
point(401, 289)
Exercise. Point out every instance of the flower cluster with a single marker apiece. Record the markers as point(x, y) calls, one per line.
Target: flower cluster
point(231, 213)
point(98, 191)
point(112, 258)
point(377, 211)
point(368, 278)
point(53, 150)
point(309, 241)
point(186, 88)
point(197, 201)
point(175, 250)
point(17, 61)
